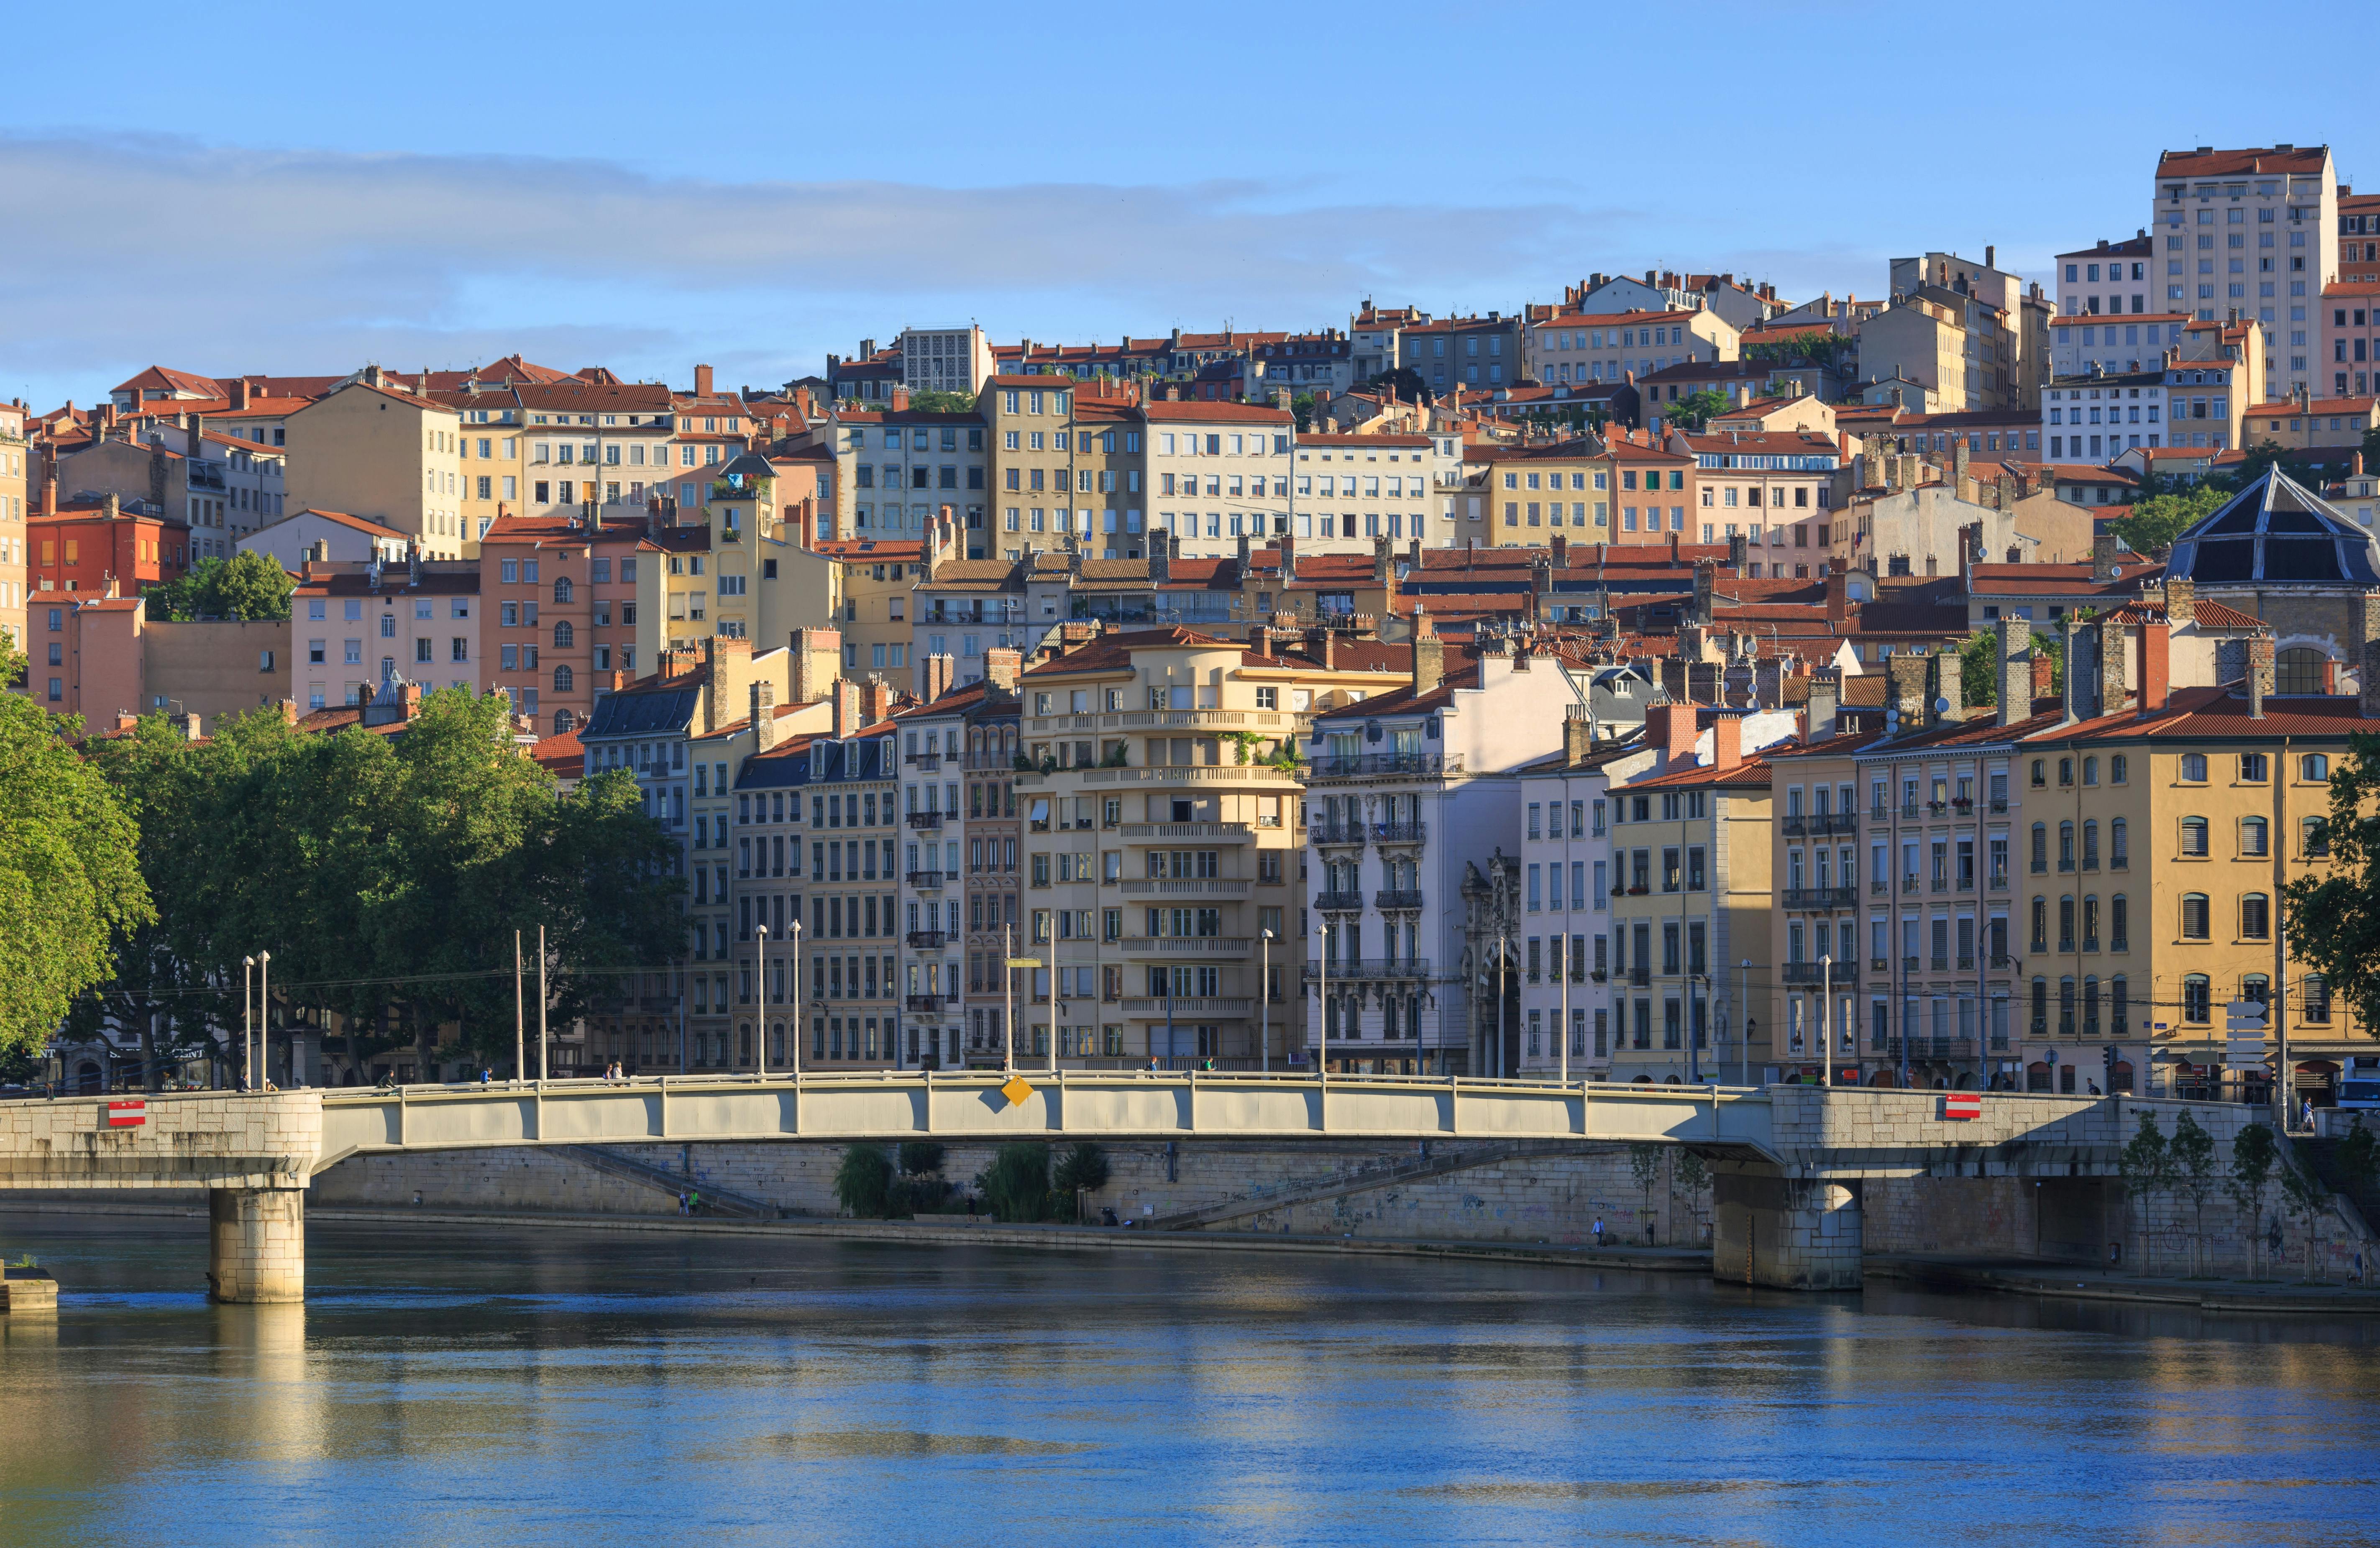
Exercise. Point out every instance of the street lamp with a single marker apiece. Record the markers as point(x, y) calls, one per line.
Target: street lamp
point(1825, 1020)
point(264, 1013)
point(1264, 998)
point(760, 950)
point(247, 1023)
point(796, 1042)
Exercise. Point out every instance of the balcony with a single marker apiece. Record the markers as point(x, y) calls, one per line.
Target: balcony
point(1372, 968)
point(1190, 1008)
point(1999, 882)
point(925, 763)
point(928, 941)
point(1641, 977)
point(1879, 887)
point(2090, 943)
point(922, 880)
point(1929, 1047)
point(1997, 808)
point(1811, 898)
point(1796, 825)
point(2001, 963)
point(1386, 900)
point(1909, 964)
point(1400, 832)
point(1338, 902)
point(1879, 964)
point(1941, 964)
point(928, 1005)
point(1841, 822)
point(931, 821)
point(1185, 886)
point(1818, 973)
point(1908, 884)
point(1349, 834)
point(1204, 832)
point(1908, 810)
point(1356, 764)
point(1186, 946)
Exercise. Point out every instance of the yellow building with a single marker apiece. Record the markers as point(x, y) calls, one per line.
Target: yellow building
point(1161, 846)
point(383, 454)
point(13, 572)
point(2158, 847)
point(1690, 906)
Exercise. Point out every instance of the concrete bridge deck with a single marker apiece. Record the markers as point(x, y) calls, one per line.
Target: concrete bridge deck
point(1787, 1160)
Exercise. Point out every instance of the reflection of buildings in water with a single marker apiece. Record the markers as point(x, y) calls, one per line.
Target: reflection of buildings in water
point(283, 1412)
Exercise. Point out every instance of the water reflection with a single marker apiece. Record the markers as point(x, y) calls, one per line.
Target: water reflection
point(542, 1387)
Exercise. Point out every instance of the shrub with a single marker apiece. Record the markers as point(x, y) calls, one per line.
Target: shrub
point(1016, 1184)
point(920, 1158)
point(1085, 1164)
point(865, 1184)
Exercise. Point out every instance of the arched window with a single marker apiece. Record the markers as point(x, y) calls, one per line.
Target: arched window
point(2300, 670)
point(563, 720)
point(2314, 767)
point(2091, 844)
point(2066, 1008)
point(2066, 923)
point(2120, 923)
point(562, 680)
point(2256, 987)
point(2194, 916)
point(2194, 838)
point(2041, 1008)
point(2254, 836)
point(2065, 846)
point(563, 636)
point(2115, 768)
point(562, 589)
point(2255, 916)
point(2119, 845)
point(2091, 771)
point(2090, 1008)
point(2041, 846)
point(2197, 999)
point(2193, 767)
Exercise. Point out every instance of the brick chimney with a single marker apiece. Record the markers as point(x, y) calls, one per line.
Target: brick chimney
point(1428, 654)
point(730, 672)
point(876, 700)
point(2015, 680)
point(1669, 728)
point(1381, 566)
point(2181, 599)
point(941, 673)
point(1578, 734)
point(845, 693)
point(1002, 665)
point(2044, 676)
point(818, 657)
point(1904, 690)
point(2260, 675)
point(1287, 558)
point(1727, 741)
point(2154, 642)
point(1839, 596)
point(764, 715)
point(702, 382)
point(900, 400)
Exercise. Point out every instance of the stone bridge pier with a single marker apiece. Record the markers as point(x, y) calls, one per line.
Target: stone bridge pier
point(256, 1244)
point(1785, 1233)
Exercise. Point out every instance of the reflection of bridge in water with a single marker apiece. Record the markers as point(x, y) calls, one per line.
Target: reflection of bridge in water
point(1787, 1161)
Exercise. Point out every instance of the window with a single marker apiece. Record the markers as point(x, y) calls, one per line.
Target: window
point(2316, 835)
point(2254, 838)
point(2255, 768)
point(2194, 838)
point(2193, 767)
point(2197, 997)
point(2194, 916)
point(2314, 768)
point(2314, 1001)
point(2255, 917)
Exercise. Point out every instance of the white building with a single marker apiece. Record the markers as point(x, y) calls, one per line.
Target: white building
point(944, 360)
point(1218, 472)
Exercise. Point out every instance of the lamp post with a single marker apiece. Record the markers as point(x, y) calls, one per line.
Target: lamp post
point(1008, 999)
point(761, 959)
point(1743, 989)
point(794, 1045)
point(264, 1013)
point(540, 1004)
point(1826, 1019)
point(247, 1023)
point(1264, 999)
point(520, 1055)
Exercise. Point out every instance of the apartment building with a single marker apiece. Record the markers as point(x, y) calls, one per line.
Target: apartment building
point(1036, 460)
point(1957, 352)
point(993, 921)
point(1622, 346)
point(2079, 344)
point(954, 359)
point(1783, 486)
point(1352, 491)
point(1218, 472)
point(561, 604)
point(932, 735)
point(1372, 335)
point(1535, 488)
point(386, 455)
point(2111, 405)
point(1690, 900)
point(2005, 318)
point(1565, 1002)
point(1475, 353)
point(607, 442)
point(15, 569)
point(896, 466)
point(1160, 844)
point(2251, 233)
point(2351, 336)
point(2098, 281)
point(355, 627)
point(103, 545)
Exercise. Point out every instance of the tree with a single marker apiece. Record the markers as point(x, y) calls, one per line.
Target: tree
point(864, 1183)
point(1405, 379)
point(1979, 668)
point(71, 882)
point(2303, 1195)
point(1645, 1165)
point(1016, 1184)
point(1695, 410)
point(2147, 1165)
point(2192, 1158)
point(1693, 1176)
point(2334, 913)
point(931, 400)
point(1082, 1168)
point(921, 1157)
point(1303, 406)
point(248, 586)
point(2151, 523)
point(2258, 459)
point(2252, 1156)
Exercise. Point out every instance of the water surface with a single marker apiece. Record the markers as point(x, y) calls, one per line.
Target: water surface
point(535, 1386)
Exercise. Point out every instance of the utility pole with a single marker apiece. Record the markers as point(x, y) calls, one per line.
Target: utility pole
point(794, 1046)
point(264, 1014)
point(247, 1024)
point(761, 960)
point(540, 1004)
point(1008, 997)
point(520, 1052)
point(1264, 999)
point(1826, 1019)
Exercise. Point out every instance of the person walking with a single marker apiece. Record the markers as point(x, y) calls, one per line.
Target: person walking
point(681, 1202)
point(1599, 1230)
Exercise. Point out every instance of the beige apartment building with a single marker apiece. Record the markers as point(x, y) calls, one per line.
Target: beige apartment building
point(383, 454)
point(1218, 473)
point(1163, 848)
point(1062, 463)
point(2252, 234)
point(13, 567)
point(1620, 347)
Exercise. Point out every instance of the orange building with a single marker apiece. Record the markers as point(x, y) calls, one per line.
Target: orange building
point(81, 545)
point(558, 618)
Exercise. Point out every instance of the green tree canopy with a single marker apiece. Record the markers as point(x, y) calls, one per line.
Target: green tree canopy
point(2334, 913)
point(2150, 526)
point(71, 882)
point(1405, 379)
point(932, 400)
point(248, 586)
point(1695, 410)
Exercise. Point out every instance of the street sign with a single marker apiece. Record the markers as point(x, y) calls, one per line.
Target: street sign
point(2244, 1057)
point(1960, 1105)
point(2244, 1016)
point(126, 1115)
point(1016, 1090)
point(1026, 962)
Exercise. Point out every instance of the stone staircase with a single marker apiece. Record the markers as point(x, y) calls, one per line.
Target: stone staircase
point(1454, 1158)
point(715, 1201)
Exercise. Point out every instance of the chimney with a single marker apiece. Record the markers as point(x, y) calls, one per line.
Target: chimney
point(2367, 656)
point(876, 700)
point(2109, 655)
point(1428, 654)
point(1820, 723)
point(702, 382)
point(1727, 741)
point(1240, 547)
point(1947, 690)
point(2155, 666)
point(1738, 547)
point(1560, 551)
point(50, 487)
point(2015, 683)
point(240, 393)
point(2044, 676)
point(1381, 562)
point(2081, 700)
point(764, 715)
point(900, 400)
point(1839, 596)
point(2181, 599)
point(2103, 556)
point(846, 694)
point(2260, 675)
point(1669, 728)
point(941, 673)
point(818, 657)
point(1160, 559)
point(1705, 592)
point(1002, 666)
point(1578, 734)
point(1288, 559)
point(730, 664)
point(1904, 691)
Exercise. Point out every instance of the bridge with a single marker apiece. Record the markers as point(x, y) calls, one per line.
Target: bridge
point(1787, 1160)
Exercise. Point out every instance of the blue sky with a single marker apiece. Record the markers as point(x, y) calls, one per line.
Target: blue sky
point(266, 189)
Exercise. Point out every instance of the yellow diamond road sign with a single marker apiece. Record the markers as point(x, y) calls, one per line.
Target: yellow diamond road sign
point(1016, 1091)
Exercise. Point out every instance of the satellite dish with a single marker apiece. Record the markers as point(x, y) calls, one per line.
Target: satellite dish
point(1941, 706)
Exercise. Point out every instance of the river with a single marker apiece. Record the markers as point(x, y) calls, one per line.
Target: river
point(541, 1387)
